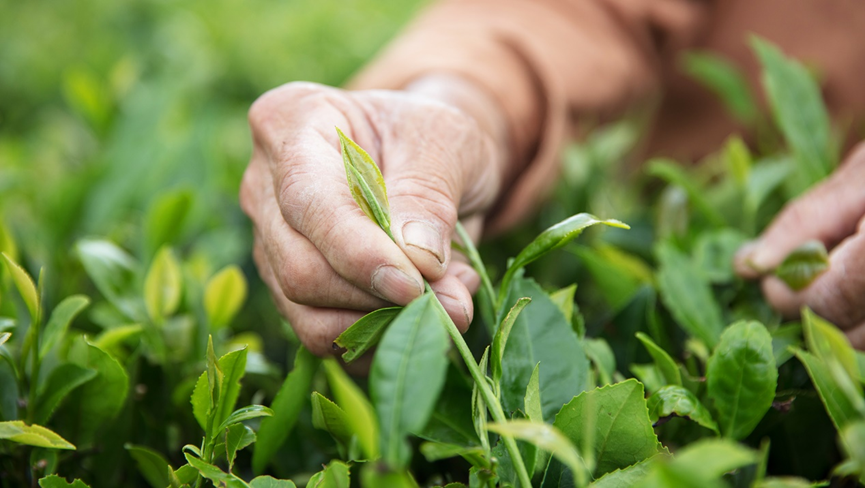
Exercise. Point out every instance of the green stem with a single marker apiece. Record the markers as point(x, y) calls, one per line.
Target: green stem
point(478, 264)
point(489, 398)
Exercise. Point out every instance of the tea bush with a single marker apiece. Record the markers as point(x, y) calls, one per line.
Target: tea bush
point(140, 349)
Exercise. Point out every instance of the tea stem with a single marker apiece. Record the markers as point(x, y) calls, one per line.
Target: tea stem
point(489, 398)
point(477, 263)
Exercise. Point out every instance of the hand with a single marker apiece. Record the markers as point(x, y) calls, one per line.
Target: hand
point(325, 262)
point(834, 213)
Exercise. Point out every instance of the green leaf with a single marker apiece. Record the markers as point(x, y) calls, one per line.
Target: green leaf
point(151, 464)
point(327, 416)
point(55, 481)
point(626, 477)
point(700, 464)
point(245, 413)
point(798, 109)
point(666, 366)
point(741, 378)
point(803, 265)
point(63, 379)
point(785, 482)
point(365, 182)
point(407, 375)
point(675, 399)
point(500, 340)
point(837, 392)
point(184, 475)
point(828, 343)
point(365, 333)
point(688, 295)
point(725, 80)
point(373, 475)
point(26, 287)
point(532, 400)
point(553, 238)
point(602, 356)
point(739, 160)
point(101, 398)
point(214, 385)
point(5, 337)
point(224, 294)
point(548, 438)
point(236, 438)
point(334, 475)
point(479, 406)
point(58, 324)
point(649, 376)
point(165, 218)
point(270, 482)
point(214, 474)
point(541, 335)
point(610, 423)
point(617, 274)
point(714, 252)
point(32, 435)
point(111, 339)
point(564, 299)
point(232, 366)
point(200, 400)
point(784, 340)
point(163, 285)
point(852, 443)
point(286, 408)
point(115, 274)
point(436, 451)
point(766, 177)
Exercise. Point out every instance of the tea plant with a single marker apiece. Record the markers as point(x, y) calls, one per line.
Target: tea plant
point(670, 372)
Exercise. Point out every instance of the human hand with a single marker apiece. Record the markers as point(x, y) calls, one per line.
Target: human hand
point(834, 213)
point(325, 262)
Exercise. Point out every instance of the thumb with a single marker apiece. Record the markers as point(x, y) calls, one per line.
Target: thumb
point(829, 213)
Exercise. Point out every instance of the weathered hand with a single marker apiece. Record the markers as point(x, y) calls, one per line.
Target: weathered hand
point(325, 262)
point(834, 213)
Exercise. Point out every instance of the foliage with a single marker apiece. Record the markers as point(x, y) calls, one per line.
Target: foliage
point(123, 363)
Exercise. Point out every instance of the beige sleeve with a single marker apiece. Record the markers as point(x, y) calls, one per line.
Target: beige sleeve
point(547, 63)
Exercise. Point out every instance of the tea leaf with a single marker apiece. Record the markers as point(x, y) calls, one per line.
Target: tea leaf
point(26, 287)
point(115, 274)
point(61, 382)
point(675, 399)
point(741, 378)
point(365, 333)
point(286, 408)
point(353, 402)
point(163, 285)
point(688, 296)
point(667, 367)
point(372, 475)
point(548, 438)
point(564, 299)
point(58, 323)
point(617, 274)
point(111, 339)
point(551, 239)
point(803, 265)
point(200, 400)
point(633, 475)
point(500, 340)
point(798, 109)
point(335, 475)
point(714, 252)
point(327, 416)
point(245, 413)
point(224, 294)
point(611, 423)
point(270, 482)
point(541, 334)
point(839, 395)
point(100, 399)
point(407, 375)
point(4, 337)
point(674, 174)
point(852, 442)
point(766, 177)
point(214, 474)
point(725, 80)
point(600, 354)
point(232, 366)
point(532, 400)
point(55, 481)
point(365, 182)
point(828, 343)
point(32, 435)
point(151, 464)
point(236, 438)
point(701, 463)
point(739, 161)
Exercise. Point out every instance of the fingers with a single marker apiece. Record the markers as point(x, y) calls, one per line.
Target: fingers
point(835, 295)
point(436, 168)
point(857, 336)
point(313, 197)
point(829, 213)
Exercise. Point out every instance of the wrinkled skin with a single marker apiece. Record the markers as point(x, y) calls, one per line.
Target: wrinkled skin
point(834, 213)
point(325, 262)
